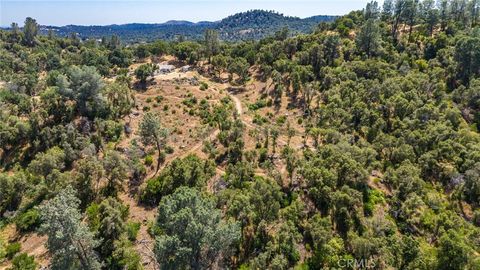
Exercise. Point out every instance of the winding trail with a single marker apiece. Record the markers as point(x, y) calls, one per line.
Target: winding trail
point(138, 213)
point(238, 104)
point(144, 243)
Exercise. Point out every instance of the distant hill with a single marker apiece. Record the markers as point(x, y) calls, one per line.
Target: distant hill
point(257, 24)
point(254, 24)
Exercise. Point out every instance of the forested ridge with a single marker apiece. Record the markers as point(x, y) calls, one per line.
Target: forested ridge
point(354, 147)
point(253, 24)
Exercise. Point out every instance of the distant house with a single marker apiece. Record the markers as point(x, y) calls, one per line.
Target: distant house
point(164, 69)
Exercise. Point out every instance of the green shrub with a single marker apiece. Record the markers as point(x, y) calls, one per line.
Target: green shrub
point(132, 229)
point(111, 130)
point(153, 229)
point(269, 102)
point(261, 103)
point(203, 86)
point(23, 262)
point(374, 197)
point(148, 160)
point(422, 65)
point(476, 218)
point(190, 102)
point(28, 221)
point(259, 120)
point(159, 99)
point(93, 218)
point(168, 149)
point(165, 107)
point(12, 249)
point(125, 256)
point(262, 155)
point(146, 108)
point(148, 100)
point(281, 120)
point(2, 249)
point(190, 171)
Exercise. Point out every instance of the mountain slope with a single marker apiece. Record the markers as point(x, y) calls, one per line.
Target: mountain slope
point(254, 24)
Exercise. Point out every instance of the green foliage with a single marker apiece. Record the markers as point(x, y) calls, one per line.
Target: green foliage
point(194, 236)
point(110, 130)
point(368, 40)
point(212, 45)
point(265, 23)
point(116, 171)
point(383, 164)
point(203, 86)
point(125, 256)
point(190, 101)
point(148, 160)
point(83, 85)
point(120, 100)
point(159, 99)
point(12, 249)
point(158, 48)
point(190, 171)
point(261, 103)
point(143, 72)
point(69, 241)
point(111, 215)
point(28, 221)
point(467, 55)
point(23, 262)
point(141, 51)
point(453, 253)
point(152, 133)
point(46, 163)
point(132, 229)
point(118, 56)
point(239, 66)
point(89, 173)
point(93, 218)
point(30, 31)
point(374, 197)
point(12, 189)
point(187, 51)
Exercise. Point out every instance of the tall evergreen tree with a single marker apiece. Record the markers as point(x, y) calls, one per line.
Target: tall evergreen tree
point(30, 30)
point(212, 45)
point(368, 40)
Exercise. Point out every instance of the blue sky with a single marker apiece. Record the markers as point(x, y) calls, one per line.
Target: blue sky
point(101, 12)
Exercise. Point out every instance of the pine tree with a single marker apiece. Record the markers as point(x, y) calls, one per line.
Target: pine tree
point(70, 242)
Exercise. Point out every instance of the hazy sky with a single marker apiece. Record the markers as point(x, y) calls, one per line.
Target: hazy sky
point(101, 12)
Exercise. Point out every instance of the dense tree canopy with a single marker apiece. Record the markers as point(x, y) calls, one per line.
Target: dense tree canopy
point(193, 234)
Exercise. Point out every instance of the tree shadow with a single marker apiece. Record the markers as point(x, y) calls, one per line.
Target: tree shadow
point(235, 90)
point(143, 87)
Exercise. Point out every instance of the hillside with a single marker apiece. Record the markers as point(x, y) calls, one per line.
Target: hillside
point(353, 147)
point(255, 24)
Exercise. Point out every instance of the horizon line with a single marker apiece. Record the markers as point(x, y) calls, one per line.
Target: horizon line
point(174, 20)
